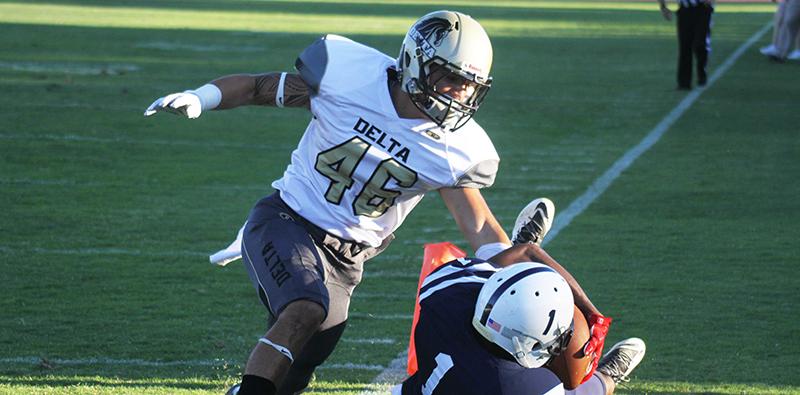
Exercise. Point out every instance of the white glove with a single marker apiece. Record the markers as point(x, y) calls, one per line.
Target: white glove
point(184, 103)
point(190, 103)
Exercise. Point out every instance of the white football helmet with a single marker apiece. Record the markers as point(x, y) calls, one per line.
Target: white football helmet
point(446, 48)
point(526, 309)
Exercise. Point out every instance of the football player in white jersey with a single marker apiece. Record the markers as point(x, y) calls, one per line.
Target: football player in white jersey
point(383, 132)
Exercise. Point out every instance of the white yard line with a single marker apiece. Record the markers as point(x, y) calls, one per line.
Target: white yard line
point(173, 45)
point(70, 68)
point(370, 341)
point(111, 139)
point(400, 317)
point(602, 183)
point(98, 251)
point(396, 370)
point(75, 183)
point(147, 363)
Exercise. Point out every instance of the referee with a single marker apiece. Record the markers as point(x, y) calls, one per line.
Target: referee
point(694, 37)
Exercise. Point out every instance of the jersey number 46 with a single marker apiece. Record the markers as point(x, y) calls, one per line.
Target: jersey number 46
point(339, 163)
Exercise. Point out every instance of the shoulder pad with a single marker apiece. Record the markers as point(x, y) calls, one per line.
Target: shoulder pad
point(312, 62)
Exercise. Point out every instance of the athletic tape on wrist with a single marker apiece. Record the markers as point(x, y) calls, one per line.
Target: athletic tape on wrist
point(489, 250)
point(210, 96)
point(279, 92)
point(281, 349)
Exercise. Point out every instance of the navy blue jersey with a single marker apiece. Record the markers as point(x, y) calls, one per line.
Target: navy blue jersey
point(452, 357)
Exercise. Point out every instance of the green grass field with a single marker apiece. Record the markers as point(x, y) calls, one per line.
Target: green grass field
point(107, 217)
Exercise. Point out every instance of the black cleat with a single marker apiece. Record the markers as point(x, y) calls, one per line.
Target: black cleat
point(233, 390)
point(619, 362)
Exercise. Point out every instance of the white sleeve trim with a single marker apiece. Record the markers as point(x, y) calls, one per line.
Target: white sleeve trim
point(279, 92)
point(489, 250)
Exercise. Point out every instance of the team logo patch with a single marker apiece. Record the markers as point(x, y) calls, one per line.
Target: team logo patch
point(430, 33)
point(432, 134)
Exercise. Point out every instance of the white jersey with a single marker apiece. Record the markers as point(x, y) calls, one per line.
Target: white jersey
point(360, 169)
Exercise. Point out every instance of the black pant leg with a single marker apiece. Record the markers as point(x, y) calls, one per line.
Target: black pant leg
point(702, 41)
point(685, 35)
point(315, 352)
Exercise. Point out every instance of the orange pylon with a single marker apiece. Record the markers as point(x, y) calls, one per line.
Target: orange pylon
point(435, 255)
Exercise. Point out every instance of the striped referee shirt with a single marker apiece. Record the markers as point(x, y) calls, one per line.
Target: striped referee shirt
point(691, 3)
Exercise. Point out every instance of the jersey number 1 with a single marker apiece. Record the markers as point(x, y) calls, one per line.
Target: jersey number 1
point(443, 363)
point(339, 163)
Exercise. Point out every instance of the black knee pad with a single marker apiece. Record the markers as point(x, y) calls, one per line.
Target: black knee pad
point(315, 352)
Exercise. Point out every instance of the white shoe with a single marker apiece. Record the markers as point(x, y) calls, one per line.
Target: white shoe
point(533, 222)
point(769, 50)
point(794, 55)
point(619, 362)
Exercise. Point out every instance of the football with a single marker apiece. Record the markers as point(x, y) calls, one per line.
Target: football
point(571, 366)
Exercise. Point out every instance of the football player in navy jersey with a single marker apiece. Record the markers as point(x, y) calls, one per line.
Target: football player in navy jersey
point(383, 132)
point(485, 330)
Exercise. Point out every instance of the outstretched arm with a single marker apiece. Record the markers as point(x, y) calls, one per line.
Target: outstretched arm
point(473, 216)
point(270, 89)
point(263, 90)
point(534, 253)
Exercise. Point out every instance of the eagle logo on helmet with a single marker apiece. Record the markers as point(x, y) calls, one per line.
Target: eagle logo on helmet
point(430, 33)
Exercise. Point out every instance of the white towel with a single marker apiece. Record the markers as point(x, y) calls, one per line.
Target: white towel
point(229, 254)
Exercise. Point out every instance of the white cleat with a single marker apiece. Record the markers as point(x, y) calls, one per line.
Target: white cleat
point(794, 55)
point(619, 362)
point(769, 50)
point(534, 221)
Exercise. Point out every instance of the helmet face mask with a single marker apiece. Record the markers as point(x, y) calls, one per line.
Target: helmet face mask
point(451, 97)
point(444, 66)
point(530, 353)
point(526, 309)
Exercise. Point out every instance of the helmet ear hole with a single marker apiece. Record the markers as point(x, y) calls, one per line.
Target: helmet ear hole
point(407, 59)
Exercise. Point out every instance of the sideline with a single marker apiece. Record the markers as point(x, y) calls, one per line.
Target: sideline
point(602, 183)
point(396, 370)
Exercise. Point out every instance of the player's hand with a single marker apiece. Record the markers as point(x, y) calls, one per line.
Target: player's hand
point(598, 329)
point(185, 103)
point(666, 13)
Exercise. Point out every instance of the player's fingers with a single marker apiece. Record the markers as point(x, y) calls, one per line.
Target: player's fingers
point(153, 108)
point(188, 104)
point(169, 100)
point(171, 110)
point(590, 346)
point(591, 371)
point(162, 104)
point(180, 101)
